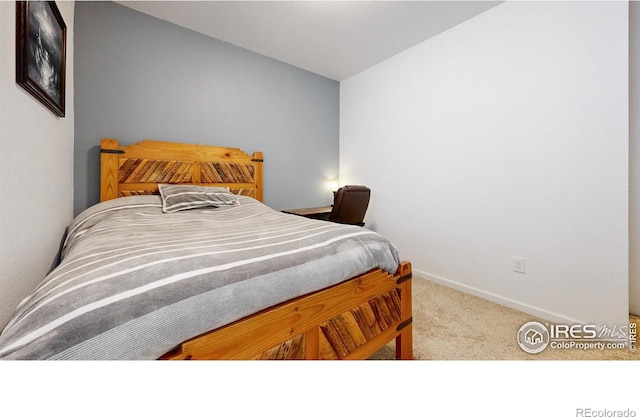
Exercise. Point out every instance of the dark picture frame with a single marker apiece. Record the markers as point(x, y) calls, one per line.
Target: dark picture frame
point(41, 49)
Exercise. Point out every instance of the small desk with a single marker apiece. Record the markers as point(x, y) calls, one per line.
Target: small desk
point(321, 213)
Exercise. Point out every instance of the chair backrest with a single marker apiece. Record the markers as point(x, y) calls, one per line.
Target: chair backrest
point(350, 205)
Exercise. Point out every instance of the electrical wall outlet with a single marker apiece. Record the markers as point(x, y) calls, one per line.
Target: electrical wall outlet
point(518, 264)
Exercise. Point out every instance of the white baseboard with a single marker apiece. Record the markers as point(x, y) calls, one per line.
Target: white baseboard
point(634, 309)
point(540, 313)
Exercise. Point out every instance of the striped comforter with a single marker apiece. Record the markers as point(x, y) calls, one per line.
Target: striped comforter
point(135, 282)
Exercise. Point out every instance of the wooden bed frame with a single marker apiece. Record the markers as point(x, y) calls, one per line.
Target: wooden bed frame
point(350, 320)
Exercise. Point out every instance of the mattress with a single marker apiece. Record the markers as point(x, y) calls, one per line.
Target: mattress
point(135, 281)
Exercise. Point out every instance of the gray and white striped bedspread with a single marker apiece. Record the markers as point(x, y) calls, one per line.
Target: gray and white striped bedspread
point(135, 282)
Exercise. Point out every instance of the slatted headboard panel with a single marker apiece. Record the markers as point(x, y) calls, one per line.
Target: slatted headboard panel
point(139, 168)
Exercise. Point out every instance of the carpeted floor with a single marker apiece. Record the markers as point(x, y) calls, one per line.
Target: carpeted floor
point(452, 325)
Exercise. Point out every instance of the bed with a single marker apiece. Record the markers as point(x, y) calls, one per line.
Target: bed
point(182, 260)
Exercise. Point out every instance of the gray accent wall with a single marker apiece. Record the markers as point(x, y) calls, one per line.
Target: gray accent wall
point(138, 77)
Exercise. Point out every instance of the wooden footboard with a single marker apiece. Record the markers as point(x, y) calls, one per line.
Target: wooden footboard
point(351, 320)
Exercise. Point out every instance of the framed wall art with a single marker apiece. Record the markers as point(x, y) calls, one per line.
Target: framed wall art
point(41, 40)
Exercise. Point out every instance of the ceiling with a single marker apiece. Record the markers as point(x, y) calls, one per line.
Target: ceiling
point(335, 39)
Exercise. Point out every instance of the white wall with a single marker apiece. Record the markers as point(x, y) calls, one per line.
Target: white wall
point(504, 136)
point(634, 157)
point(36, 162)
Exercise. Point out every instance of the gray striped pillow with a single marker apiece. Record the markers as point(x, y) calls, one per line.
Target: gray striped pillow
point(185, 197)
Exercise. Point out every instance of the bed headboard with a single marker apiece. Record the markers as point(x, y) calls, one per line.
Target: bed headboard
point(138, 169)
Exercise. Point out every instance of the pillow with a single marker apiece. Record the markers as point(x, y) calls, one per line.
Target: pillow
point(185, 197)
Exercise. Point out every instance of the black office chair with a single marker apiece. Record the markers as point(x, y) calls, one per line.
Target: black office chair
point(350, 205)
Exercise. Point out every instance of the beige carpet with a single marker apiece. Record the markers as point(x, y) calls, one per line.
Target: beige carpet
point(452, 325)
